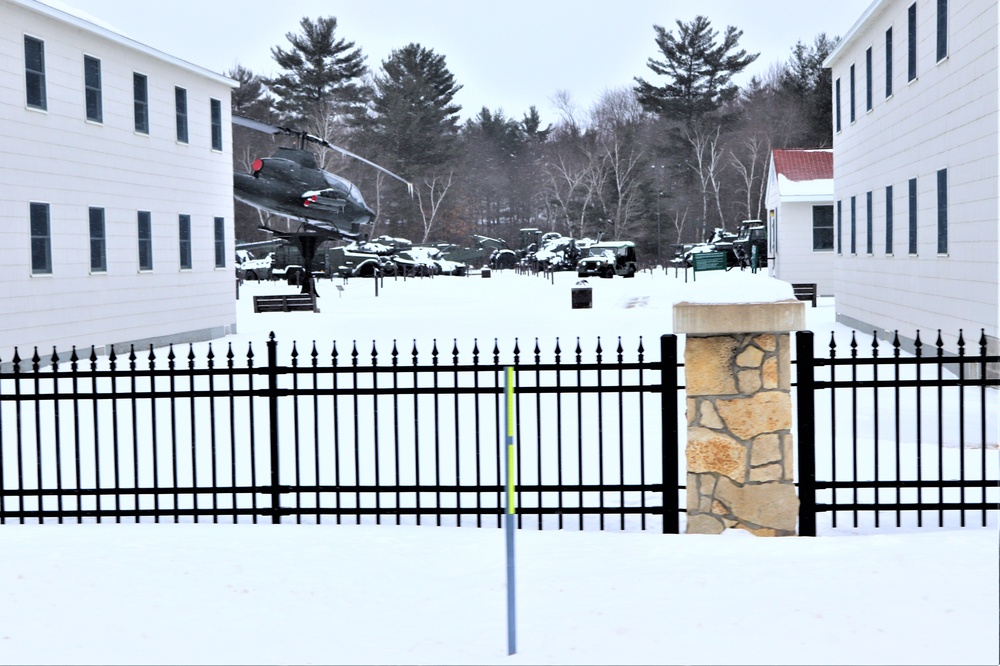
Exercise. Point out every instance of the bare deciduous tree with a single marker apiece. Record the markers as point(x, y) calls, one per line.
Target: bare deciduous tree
point(437, 188)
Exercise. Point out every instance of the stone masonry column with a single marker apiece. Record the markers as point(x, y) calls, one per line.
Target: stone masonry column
point(737, 362)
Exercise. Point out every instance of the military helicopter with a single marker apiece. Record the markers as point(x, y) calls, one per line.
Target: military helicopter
point(290, 183)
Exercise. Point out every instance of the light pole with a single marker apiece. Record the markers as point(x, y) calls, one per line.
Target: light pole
point(657, 171)
point(659, 256)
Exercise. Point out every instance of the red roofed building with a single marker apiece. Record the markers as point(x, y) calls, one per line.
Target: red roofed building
point(799, 203)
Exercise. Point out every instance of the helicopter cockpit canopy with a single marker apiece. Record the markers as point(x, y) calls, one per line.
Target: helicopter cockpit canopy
point(345, 187)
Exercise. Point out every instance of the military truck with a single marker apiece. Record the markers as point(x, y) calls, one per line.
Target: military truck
point(608, 259)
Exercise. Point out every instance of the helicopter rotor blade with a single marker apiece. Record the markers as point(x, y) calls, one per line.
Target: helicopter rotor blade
point(277, 129)
point(327, 144)
point(259, 126)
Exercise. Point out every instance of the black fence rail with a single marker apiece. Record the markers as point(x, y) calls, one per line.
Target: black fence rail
point(356, 436)
point(903, 439)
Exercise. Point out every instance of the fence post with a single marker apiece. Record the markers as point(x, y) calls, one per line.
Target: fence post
point(805, 396)
point(668, 411)
point(272, 401)
point(740, 445)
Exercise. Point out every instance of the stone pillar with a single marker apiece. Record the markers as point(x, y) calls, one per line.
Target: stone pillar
point(737, 362)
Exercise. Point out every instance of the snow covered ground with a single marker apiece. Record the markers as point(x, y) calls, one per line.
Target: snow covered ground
point(221, 594)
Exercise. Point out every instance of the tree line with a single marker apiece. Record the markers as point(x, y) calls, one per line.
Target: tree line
point(666, 161)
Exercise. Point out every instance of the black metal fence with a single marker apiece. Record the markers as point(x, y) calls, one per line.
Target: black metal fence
point(897, 439)
point(357, 436)
point(891, 439)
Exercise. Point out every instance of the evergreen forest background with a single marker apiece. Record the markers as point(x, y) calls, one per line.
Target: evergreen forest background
point(682, 152)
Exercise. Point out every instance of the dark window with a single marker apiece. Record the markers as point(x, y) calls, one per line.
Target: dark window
point(888, 219)
point(92, 87)
point(854, 225)
point(836, 87)
point(141, 97)
point(942, 29)
point(888, 62)
point(181, 102)
point(869, 243)
point(184, 236)
point(911, 42)
point(145, 241)
point(216, 124)
point(823, 227)
point(98, 246)
point(852, 94)
point(220, 242)
point(942, 211)
point(840, 225)
point(41, 239)
point(868, 79)
point(913, 216)
point(34, 72)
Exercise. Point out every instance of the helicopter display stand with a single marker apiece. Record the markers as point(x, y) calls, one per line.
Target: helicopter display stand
point(307, 243)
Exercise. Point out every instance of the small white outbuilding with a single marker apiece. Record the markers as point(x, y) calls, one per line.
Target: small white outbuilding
point(800, 225)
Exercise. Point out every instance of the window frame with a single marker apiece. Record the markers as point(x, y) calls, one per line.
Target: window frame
point(818, 228)
point(942, 30)
point(215, 109)
point(942, 211)
point(144, 234)
point(93, 89)
point(181, 114)
point(98, 241)
point(853, 97)
point(220, 242)
point(869, 231)
point(912, 217)
point(869, 87)
point(889, 213)
point(35, 93)
point(888, 62)
point(140, 103)
point(840, 226)
point(184, 241)
point(854, 224)
point(39, 215)
point(911, 43)
point(836, 94)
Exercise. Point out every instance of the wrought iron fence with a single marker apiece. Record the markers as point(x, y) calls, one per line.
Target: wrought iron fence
point(415, 437)
point(896, 437)
point(357, 436)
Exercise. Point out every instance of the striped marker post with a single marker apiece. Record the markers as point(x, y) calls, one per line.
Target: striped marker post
point(509, 514)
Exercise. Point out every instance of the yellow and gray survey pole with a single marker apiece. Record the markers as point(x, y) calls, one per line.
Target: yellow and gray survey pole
point(509, 512)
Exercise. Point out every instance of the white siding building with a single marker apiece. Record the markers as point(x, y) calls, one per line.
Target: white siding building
point(916, 169)
point(116, 190)
point(800, 225)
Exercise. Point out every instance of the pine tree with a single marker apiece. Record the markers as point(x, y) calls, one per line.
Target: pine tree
point(412, 113)
point(321, 78)
point(700, 70)
point(806, 83)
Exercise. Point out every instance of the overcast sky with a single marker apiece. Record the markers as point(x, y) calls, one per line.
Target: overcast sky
point(507, 54)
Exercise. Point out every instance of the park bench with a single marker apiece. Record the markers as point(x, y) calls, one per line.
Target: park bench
point(805, 291)
point(709, 261)
point(285, 303)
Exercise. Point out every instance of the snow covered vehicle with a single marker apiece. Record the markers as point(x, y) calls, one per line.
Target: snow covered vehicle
point(249, 267)
point(608, 259)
